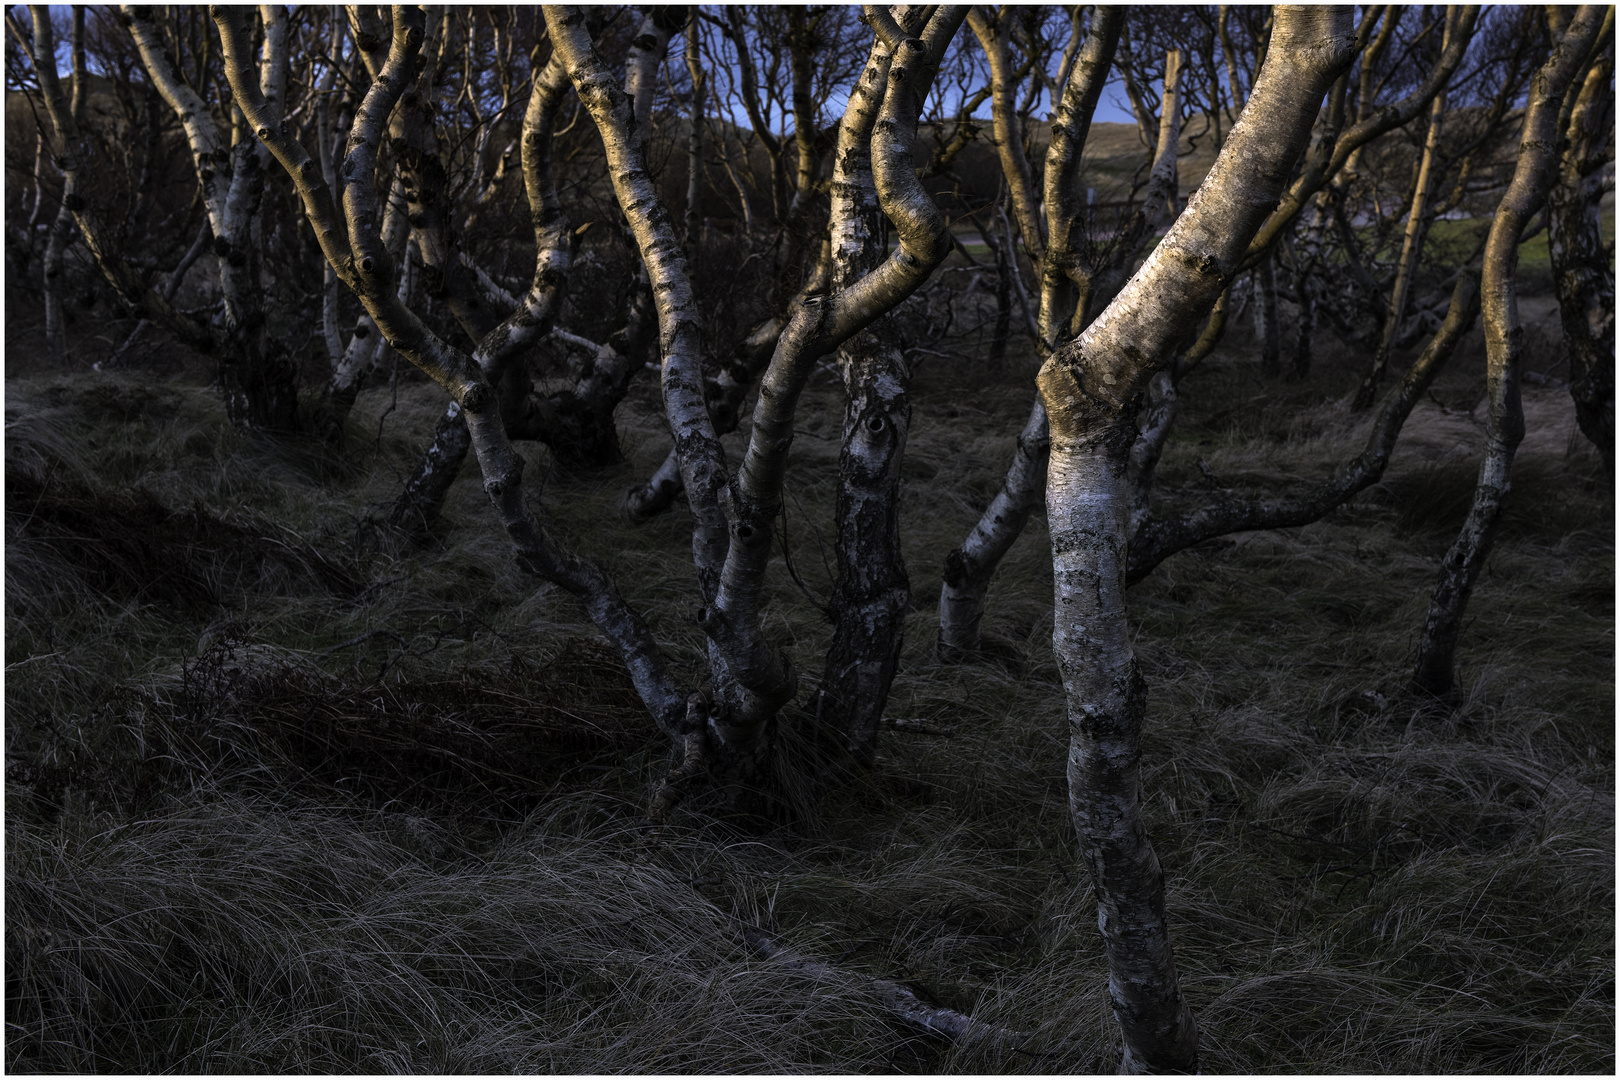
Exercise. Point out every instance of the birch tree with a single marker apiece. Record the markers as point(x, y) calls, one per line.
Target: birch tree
point(1583, 265)
point(1075, 284)
point(1091, 387)
point(725, 727)
point(1434, 672)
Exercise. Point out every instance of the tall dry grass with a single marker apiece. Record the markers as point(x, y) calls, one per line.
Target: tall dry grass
point(338, 804)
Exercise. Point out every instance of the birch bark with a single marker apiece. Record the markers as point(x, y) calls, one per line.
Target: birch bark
point(1417, 224)
point(1330, 155)
point(1070, 288)
point(77, 154)
point(258, 380)
point(61, 228)
point(353, 246)
point(871, 593)
point(1091, 387)
point(1583, 266)
point(1435, 669)
point(1153, 541)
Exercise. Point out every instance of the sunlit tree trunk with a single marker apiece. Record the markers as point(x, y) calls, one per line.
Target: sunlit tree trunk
point(871, 592)
point(733, 519)
point(1092, 387)
point(1072, 289)
point(353, 246)
point(1411, 245)
point(1435, 670)
point(258, 380)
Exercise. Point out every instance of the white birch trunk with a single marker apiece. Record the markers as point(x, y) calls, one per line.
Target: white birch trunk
point(355, 249)
point(1091, 388)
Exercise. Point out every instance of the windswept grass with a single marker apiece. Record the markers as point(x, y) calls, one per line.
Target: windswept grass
point(350, 806)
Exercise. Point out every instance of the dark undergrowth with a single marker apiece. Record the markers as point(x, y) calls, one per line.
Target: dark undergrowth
point(284, 795)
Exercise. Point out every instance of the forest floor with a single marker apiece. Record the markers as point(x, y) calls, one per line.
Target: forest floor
point(287, 795)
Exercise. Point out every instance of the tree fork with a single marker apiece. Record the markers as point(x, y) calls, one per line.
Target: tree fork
point(1091, 387)
point(355, 250)
point(1154, 541)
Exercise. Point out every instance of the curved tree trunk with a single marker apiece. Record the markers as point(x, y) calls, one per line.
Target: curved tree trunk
point(1071, 292)
point(871, 593)
point(1434, 672)
point(352, 245)
point(726, 393)
point(733, 518)
point(1091, 388)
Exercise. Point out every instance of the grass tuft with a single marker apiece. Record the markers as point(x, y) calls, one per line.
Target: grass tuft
point(355, 806)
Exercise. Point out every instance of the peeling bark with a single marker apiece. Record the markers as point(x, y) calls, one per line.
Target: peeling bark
point(871, 592)
point(1091, 387)
point(1434, 672)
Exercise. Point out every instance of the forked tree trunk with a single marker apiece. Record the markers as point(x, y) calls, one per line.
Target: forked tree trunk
point(77, 154)
point(353, 247)
point(1091, 388)
point(1583, 266)
point(733, 518)
point(1332, 153)
point(1435, 670)
point(257, 378)
point(727, 393)
point(871, 591)
point(1071, 292)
